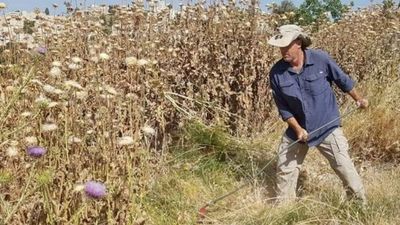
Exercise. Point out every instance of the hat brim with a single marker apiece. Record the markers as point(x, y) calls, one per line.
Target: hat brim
point(281, 41)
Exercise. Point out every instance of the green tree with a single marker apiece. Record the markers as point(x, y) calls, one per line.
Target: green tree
point(388, 4)
point(285, 6)
point(335, 7)
point(312, 10)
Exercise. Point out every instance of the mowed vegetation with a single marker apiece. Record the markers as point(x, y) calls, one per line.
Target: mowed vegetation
point(169, 113)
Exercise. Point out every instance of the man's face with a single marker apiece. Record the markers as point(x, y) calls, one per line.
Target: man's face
point(290, 52)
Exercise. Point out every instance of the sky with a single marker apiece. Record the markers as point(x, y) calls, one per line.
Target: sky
point(29, 5)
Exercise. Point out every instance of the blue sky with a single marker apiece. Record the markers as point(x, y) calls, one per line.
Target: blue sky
point(29, 5)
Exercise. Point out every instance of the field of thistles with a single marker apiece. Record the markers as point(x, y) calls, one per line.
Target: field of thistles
point(139, 117)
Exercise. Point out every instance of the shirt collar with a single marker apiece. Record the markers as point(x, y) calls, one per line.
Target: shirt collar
point(309, 59)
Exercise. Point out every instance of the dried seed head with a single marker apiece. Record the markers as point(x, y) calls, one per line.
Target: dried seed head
point(82, 95)
point(142, 62)
point(26, 114)
point(12, 151)
point(104, 56)
point(71, 83)
point(74, 66)
point(55, 72)
point(73, 140)
point(42, 101)
point(31, 140)
point(131, 61)
point(76, 60)
point(52, 104)
point(48, 127)
point(126, 140)
point(49, 89)
point(79, 188)
point(111, 90)
point(149, 131)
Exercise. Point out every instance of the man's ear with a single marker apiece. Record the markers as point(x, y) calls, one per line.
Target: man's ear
point(298, 42)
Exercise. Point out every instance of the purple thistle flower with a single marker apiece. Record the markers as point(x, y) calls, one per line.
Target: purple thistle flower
point(36, 151)
point(95, 189)
point(41, 50)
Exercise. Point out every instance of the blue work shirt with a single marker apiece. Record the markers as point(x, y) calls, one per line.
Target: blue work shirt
point(308, 95)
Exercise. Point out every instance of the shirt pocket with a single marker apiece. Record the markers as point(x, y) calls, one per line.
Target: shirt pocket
point(316, 83)
point(288, 88)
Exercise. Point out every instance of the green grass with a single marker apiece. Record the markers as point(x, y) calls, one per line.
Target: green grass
point(196, 176)
point(177, 195)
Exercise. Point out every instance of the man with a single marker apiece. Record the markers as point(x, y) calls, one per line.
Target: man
point(301, 86)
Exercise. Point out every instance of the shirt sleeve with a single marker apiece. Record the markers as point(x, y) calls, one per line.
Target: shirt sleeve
point(336, 74)
point(283, 107)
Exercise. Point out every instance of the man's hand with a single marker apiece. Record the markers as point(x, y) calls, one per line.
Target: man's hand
point(302, 135)
point(362, 103)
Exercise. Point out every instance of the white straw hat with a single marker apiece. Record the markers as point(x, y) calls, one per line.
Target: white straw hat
point(287, 34)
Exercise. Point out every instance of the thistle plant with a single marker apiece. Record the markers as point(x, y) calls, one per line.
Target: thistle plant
point(36, 151)
point(95, 189)
point(112, 95)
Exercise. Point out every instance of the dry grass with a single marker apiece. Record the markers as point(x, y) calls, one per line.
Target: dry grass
point(117, 107)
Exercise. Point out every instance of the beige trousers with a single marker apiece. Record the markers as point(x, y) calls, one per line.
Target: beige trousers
point(334, 148)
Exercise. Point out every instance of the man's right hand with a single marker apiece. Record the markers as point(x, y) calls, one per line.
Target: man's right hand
point(362, 103)
point(302, 135)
